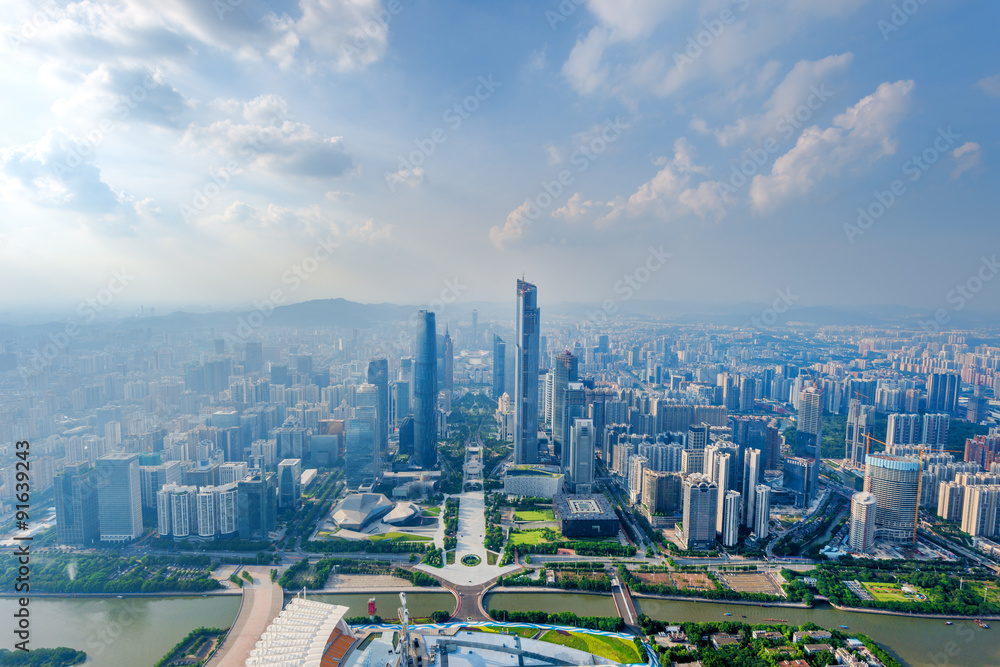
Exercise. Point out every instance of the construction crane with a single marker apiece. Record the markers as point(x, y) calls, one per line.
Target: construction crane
point(920, 477)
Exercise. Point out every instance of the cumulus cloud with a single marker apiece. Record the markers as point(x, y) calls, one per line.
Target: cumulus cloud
point(58, 171)
point(371, 232)
point(125, 96)
point(575, 208)
point(967, 156)
point(411, 177)
point(859, 136)
point(671, 191)
point(265, 138)
point(802, 91)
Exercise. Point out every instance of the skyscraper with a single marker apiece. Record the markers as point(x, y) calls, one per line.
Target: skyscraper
point(565, 371)
point(762, 511)
point(574, 405)
point(863, 510)
point(902, 429)
point(860, 420)
point(942, 392)
point(446, 363)
point(700, 506)
point(526, 374)
point(425, 391)
point(378, 375)
point(257, 505)
point(499, 361)
point(753, 473)
point(731, 518)
point(76, 505)
point(935, 431)
point(119, 497)
point(289, 483)
point(808, 438)
point(581, 455)
point(893, 481)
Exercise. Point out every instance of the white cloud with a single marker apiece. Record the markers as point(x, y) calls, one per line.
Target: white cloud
point(990, 85)
point(632, 19)
point(58, 171)
point(575, 209)
point(583, 68)
point(413, 178)
point(671, 192)
point(269, 141)
point(967, 156)
point(370, 232)
point(514, 226)
point(859, 136)
point(803, 90)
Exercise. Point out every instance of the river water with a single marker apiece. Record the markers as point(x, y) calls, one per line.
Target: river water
point(136, 632)
point(917, 642)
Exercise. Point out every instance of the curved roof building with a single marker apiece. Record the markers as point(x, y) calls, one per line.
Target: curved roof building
point(359, 509)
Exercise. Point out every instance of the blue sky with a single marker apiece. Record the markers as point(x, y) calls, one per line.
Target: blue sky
point(208, 149)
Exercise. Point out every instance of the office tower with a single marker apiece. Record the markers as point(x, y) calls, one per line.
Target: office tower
point(661, 492)
point(406, 436)
point(731, 518)
point(903, 429)
point(753, 474)
point(378, 375)
point(693, 461)
point(574, 405)
point(893, 481)
point(772, 448)
point(257, 505)
point(446, 361)
point(77, 505)
point(425, 391)
point(935, 431)
point(290, 483)
point(564, 372)
point(700, 508)
point(279, 374)
point(697, 438)
point(546, 390)
point(304, 367)
point(360, 444)
point(942, 392)
point(526, 365)
point(406, 375)
point(797, 478)
point(747, 394)
point(860, 421)
point(230, 473)
point(863, 512)
point(499, 367)
point(119, 497)
point(762, 511)
point(722, 475)
point(253, 358)
point(809, 437)
point(292, 439)
point(581, 455)
point(475, 328)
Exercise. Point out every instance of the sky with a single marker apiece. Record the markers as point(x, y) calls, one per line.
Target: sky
point(191, 153)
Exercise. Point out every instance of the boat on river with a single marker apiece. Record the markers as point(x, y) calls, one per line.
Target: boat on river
point(983, 624)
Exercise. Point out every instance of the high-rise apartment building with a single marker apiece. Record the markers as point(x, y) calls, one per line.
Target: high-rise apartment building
point(942, 392)
point(700, 495)
point(762, 511)
point(863, 511)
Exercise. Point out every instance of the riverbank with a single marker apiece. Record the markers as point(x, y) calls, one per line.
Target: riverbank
point(890, 612)
point(159, 594)
point(751, 603)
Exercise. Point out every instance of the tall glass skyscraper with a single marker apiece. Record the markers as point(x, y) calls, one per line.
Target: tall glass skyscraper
point(378, 375)
point(425, 391)
point(564, 372)
point(526, 375)
point(499, 361)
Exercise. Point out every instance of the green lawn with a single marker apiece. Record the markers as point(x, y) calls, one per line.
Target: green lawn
point(891, 592)
point(491, 558)
point(400, 537)
point(432, 511)
point(525, 633)
point(611, 648)
point(535, 515)
point(530, 537)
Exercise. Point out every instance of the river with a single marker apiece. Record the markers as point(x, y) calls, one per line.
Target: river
point(136, 632)
point(917, 642)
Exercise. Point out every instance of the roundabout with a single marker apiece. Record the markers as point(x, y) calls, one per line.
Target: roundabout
point(471, 560)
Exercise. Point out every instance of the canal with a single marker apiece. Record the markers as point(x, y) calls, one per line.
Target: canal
point(917, 642)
